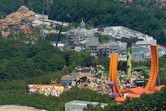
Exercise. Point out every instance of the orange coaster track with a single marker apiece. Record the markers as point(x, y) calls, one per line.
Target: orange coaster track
point(153, 73)
point(154, 67)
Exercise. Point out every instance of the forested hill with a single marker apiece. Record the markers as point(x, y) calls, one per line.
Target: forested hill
point(140, 15)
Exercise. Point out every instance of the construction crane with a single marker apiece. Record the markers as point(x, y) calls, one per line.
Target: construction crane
point(59, 34)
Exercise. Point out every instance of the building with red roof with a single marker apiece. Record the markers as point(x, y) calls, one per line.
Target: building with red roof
point(25, 29)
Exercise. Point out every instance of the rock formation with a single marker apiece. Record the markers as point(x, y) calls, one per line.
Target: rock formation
point(17, 18)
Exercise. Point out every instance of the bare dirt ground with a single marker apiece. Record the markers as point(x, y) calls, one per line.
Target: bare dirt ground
point(18, 108)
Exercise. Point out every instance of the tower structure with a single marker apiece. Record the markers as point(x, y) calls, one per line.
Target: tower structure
point(130, 37)
point(82, 24)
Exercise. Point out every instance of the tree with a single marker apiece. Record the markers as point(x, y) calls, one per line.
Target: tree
point(22, 36)
point(1, 35)
point(102, 38)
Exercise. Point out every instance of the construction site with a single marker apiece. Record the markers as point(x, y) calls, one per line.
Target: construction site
point(82, 39)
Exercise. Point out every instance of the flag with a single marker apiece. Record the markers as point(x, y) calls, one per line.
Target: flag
point(43, 35)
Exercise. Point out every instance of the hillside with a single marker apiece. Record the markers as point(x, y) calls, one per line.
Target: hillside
point(23, 64)
point(140, 15)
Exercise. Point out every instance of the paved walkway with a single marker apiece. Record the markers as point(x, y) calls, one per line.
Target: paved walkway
point(18, 108)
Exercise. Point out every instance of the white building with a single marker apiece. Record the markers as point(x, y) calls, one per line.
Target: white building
point(79, 36)
point(120, 31)
point(141, 49)
point(60, 45)
point(83, 38)
point(79, 105)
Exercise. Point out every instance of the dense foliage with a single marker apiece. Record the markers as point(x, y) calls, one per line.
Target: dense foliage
point(162, 67)
point(19, 60)
point(142, 15)
point(54, 37)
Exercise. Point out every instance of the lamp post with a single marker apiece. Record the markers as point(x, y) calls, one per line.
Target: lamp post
point(43, 22)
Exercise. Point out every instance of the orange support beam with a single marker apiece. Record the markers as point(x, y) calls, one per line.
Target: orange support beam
point(113, 72)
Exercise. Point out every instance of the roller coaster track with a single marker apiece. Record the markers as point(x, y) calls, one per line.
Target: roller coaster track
point(154, 67)
point(153, 73)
